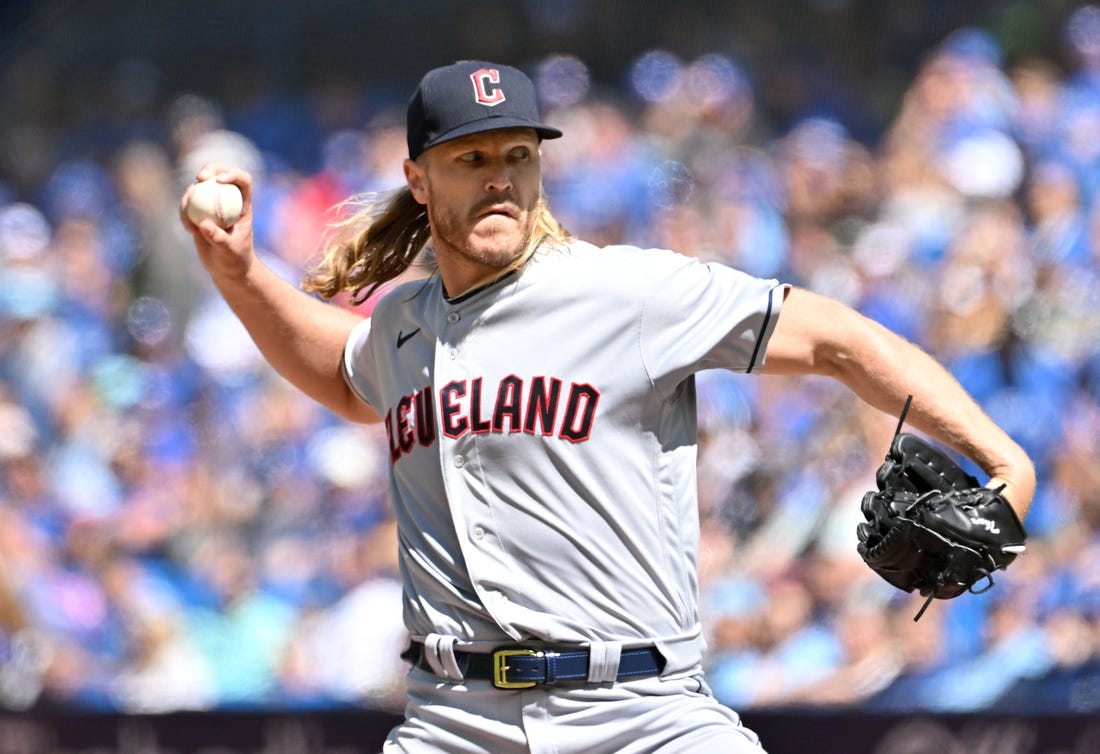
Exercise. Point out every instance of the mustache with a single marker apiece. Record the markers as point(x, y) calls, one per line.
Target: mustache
point(504, 201)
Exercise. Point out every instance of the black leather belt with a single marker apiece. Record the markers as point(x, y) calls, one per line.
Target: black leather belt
point(520, 667)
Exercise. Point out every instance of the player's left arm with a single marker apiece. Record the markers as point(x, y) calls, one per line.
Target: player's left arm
point(818, 335)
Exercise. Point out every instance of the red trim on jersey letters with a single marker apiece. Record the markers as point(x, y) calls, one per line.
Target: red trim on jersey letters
point(425, 417)
point(478, 425)
point(542, 405)
point(412, 422)
point(577, 423)
point(462, 410)
point(404, 432)
point(453, 424)
point(508, 405)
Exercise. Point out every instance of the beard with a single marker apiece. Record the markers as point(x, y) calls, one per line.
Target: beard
point(494, 241)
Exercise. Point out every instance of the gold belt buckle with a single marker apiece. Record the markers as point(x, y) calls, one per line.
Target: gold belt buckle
point(500, 668)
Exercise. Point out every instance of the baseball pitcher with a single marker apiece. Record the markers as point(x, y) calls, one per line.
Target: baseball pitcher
point(538, 398)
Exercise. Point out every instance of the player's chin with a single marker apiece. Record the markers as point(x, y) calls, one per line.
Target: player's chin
point(493, 227)
point(498, 249)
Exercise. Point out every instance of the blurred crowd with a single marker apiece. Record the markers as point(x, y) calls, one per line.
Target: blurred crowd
point(180, 529)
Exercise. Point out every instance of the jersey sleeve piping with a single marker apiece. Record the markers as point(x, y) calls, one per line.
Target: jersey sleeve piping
point(770, 317)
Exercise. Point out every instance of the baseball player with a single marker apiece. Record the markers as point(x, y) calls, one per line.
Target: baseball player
point(538, 398)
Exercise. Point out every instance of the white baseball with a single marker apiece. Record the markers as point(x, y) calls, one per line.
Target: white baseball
point(221, 202)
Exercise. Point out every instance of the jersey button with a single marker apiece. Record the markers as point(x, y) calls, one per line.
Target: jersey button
point(459, 462)
point(453, 353)
point(479, 533)
point(453, 317)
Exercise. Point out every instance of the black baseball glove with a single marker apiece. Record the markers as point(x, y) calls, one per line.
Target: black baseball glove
point(932, 527)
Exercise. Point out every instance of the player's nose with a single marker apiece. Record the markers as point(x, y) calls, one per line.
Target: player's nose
point(498, 177)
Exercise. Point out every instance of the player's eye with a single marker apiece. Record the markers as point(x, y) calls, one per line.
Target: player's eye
point(470, 157)
point(520, 153)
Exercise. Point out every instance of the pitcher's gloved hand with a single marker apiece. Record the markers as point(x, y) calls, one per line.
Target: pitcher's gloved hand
point(931, 527)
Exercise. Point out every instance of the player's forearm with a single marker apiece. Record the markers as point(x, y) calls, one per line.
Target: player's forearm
point(817, 335)
point(884, 369)
point(300, 336)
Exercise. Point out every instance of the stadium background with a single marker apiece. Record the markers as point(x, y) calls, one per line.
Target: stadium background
point(192, 556)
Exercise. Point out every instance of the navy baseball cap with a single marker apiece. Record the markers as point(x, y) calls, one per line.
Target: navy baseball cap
point(468, 97)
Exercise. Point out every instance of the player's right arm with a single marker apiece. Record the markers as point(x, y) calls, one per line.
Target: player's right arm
point(302, 337)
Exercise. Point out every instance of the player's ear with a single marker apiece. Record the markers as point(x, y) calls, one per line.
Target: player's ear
point(414, 176)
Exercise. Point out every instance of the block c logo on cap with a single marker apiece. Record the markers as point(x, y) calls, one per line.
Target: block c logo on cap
point(487, 89)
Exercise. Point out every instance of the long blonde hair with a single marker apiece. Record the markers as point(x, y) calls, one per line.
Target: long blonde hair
point(376, 238)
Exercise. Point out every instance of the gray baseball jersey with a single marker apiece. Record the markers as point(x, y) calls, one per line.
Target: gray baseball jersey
point(542, 438)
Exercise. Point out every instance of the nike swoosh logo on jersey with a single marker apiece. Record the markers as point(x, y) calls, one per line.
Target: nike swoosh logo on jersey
point(403, 338)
